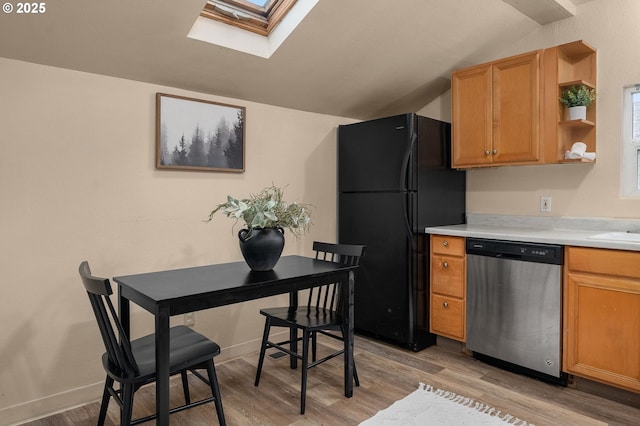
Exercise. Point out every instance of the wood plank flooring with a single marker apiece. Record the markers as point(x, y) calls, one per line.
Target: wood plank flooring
point(387, 374)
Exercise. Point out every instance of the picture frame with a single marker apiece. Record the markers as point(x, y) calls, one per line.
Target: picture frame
point(194, 134)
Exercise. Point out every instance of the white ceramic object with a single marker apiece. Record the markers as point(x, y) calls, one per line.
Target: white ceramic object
point(578, 113)
point(578, 149)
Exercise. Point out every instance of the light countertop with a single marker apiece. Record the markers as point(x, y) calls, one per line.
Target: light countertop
point(520, 230)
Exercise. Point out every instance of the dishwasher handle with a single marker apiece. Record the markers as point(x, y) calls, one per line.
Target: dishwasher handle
point(511, 256)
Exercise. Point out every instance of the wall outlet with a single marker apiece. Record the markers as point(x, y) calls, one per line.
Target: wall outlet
point(190, 319)
point(545, 204)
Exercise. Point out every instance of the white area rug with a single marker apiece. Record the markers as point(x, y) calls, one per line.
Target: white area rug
point(427, 406)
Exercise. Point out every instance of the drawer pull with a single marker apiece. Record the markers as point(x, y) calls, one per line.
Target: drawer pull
point(445, 265)
point(445, 304)
point(445, 243)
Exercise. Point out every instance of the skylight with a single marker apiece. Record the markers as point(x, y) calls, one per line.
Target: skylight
point(257, 27)
point(258, 16)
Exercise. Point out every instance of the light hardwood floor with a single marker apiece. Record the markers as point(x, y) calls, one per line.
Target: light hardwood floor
point(387, 374)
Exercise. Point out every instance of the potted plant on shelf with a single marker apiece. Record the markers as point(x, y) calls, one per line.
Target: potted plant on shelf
point(577, 98)
point(265, 215)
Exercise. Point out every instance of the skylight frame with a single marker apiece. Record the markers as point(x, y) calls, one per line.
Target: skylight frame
point(248, 16)
point(247, 5)
point(232, 37)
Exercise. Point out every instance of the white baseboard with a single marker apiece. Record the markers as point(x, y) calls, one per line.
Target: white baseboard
point(51, 404)
point(63, 401)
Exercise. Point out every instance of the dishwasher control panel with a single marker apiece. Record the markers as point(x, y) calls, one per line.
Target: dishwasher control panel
point(528, 252)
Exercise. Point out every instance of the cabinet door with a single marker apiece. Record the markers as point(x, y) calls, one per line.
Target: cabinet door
point(601, 339)
point(516, 109)
point(471, 116)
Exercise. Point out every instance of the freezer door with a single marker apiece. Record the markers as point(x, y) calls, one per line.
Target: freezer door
point(384, 285)
point(376, 155)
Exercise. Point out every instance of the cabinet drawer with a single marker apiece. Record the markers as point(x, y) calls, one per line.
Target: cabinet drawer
point(447, 317)
point(444, 244)
point(620, 263)
point(448, 275)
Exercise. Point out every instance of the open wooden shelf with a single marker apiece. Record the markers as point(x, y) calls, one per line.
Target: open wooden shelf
point(570, 64)
point(576, 83)
point(576, 161)
point(577, 123)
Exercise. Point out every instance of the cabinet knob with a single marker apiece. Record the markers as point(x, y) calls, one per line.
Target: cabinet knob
point(445, 265)
point(445, 304)
point(486, 152)
point(445, 243)
point(494, 152)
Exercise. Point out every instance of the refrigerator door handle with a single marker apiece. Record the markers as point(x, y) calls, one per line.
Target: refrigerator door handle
point(407, 208)
point(408, 173)
point(407, 169)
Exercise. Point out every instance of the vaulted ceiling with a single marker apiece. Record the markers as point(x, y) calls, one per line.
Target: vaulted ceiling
point(351, 58)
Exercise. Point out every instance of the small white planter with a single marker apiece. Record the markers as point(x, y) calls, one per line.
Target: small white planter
point(578, 113)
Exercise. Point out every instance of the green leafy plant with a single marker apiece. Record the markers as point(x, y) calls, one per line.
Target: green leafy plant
point(579, 95)
point(266, 209)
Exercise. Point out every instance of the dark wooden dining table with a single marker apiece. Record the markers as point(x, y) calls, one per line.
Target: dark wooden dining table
point(178, 291)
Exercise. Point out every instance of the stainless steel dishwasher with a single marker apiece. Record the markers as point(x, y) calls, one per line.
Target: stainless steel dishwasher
point(514, 305)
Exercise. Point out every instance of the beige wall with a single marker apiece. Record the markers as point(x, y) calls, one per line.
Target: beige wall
point(577, 189)
point(78, 181)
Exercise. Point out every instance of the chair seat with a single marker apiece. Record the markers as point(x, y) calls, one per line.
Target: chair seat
point(304, 317)
point(187, 348)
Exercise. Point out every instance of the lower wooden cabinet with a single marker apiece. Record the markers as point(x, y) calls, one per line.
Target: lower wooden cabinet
point(448, 287)
point(602, 316)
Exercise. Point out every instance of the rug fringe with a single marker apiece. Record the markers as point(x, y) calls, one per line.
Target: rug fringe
point(469, 402)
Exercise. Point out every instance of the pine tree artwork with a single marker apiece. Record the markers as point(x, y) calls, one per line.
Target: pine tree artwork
point(194, 134)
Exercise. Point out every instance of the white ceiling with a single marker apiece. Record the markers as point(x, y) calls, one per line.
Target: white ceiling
point(351, 58)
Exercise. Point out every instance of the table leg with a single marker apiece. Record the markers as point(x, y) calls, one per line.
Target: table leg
point(124, 313)
point(348, 291)
point(162, 366)
point(293, 333)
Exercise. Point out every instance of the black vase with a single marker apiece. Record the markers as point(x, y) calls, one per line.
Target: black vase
point(261, 247)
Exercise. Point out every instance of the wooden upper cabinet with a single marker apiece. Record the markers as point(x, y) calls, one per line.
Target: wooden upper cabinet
point(516, 109)
point(472, 127)
point(507, 112)
point(496, 112)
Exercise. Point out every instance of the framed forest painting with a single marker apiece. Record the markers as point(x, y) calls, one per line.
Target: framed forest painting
point(193, 134)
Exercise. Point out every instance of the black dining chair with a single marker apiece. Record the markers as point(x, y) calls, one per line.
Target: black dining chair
point(131, 363)
point(321, 315)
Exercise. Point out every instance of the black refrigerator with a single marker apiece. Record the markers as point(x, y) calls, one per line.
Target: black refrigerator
point(395, 179)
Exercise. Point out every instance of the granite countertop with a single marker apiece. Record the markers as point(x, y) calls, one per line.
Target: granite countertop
point(563, 231)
